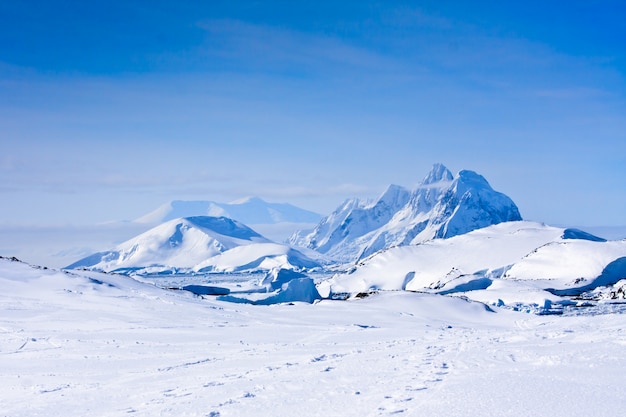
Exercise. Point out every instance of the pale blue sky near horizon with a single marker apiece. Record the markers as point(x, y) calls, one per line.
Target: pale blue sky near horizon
point(109, 110)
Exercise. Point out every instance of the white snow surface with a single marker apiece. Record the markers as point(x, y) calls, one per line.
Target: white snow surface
point(255, 257)
point(568, 260)
point(532, 257)
point(201, 243)
point(86, 343)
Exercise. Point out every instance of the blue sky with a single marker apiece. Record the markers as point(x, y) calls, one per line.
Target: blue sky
point(109, 110)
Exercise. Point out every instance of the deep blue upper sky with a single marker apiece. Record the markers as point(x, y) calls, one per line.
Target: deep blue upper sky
point(133, 36)
point(108, 110)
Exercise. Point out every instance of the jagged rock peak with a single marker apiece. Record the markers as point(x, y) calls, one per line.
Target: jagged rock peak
point(438, 173)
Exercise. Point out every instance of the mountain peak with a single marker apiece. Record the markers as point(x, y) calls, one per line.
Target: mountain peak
point(223, 226)
point(247, 200)
point(196, 244)
point(471, 177)
point(438, 173)
point(442, 206)
point(394, 195)
point(249, 210)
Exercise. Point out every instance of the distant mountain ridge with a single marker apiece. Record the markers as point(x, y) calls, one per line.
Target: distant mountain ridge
point(251, 210)
point(442, 206)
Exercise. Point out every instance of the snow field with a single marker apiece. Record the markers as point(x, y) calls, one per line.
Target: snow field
point(94, 344)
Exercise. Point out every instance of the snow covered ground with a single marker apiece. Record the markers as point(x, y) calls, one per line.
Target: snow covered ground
point(83, 343)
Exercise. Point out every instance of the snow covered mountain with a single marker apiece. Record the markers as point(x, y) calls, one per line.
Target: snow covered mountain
point(251, 210)
point(196, 244)
point(442, 206)
point(342, 234)
point(512, 262)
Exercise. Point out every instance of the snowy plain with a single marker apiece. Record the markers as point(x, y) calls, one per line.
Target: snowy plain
point(84, 343)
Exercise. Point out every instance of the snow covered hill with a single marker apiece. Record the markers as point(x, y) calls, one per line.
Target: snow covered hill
point(442, 206)
point(512, 262)
point(251, 210)
point(196, 244)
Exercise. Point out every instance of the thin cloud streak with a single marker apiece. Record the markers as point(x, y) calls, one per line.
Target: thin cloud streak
point(261, 47)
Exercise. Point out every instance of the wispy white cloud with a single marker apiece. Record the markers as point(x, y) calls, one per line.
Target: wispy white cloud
point(417, 17)
point(254, 47)
point(573, 93)
point(345, 190)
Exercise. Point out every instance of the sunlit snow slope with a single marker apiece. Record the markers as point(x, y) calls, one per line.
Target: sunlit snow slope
point(517, 261)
